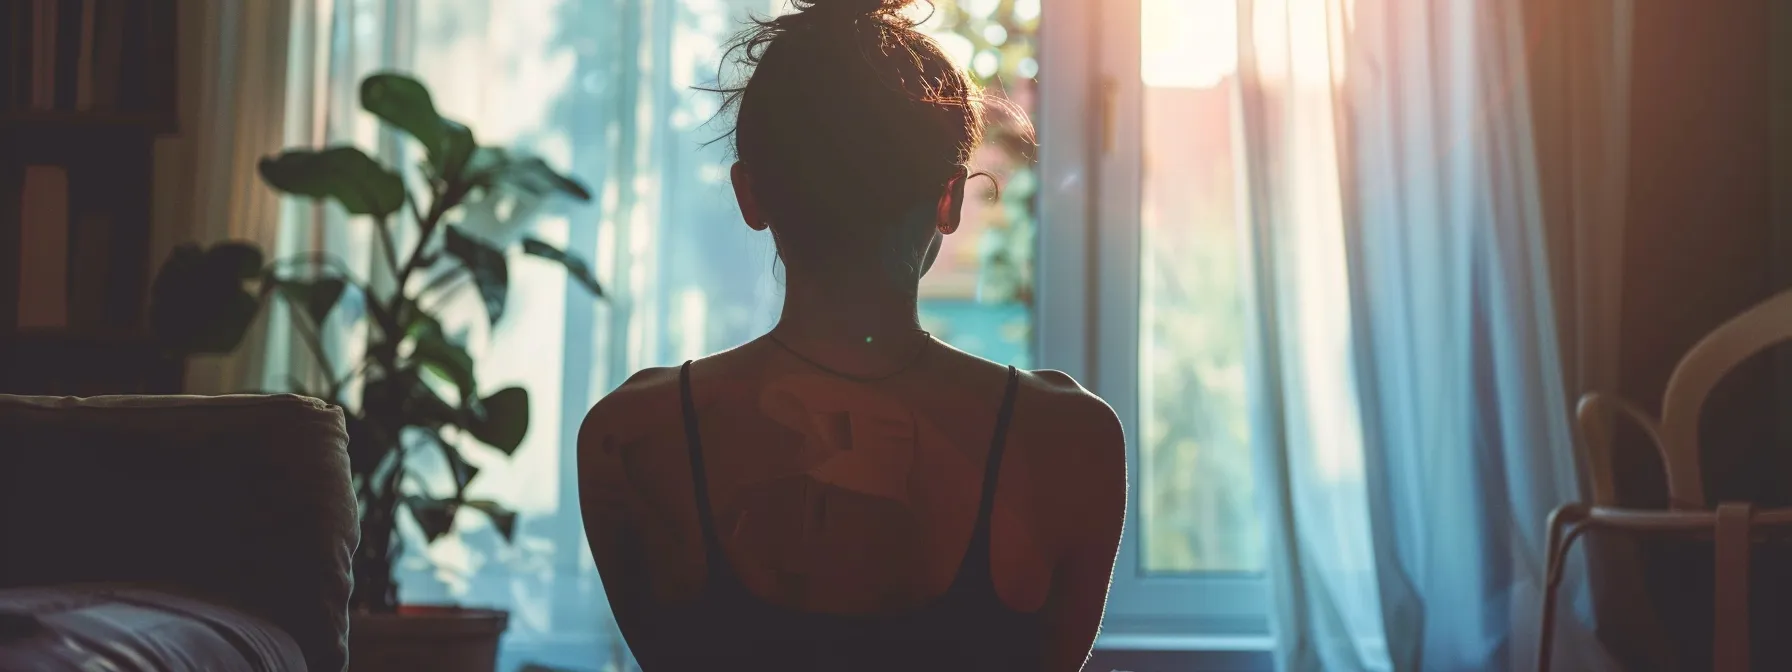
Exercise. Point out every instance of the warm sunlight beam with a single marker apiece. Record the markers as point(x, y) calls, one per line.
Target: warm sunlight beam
point(1188, 43)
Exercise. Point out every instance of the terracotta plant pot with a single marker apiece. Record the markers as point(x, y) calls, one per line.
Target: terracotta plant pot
point(439, 639)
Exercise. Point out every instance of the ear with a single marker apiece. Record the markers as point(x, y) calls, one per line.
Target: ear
point(950, 211)
point(743, 193)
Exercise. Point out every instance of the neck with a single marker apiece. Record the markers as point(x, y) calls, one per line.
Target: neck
point(848, 322)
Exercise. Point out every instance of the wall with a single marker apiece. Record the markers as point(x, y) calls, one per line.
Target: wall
point(1702, 245)
point(1780, 119)
point(1699, 244)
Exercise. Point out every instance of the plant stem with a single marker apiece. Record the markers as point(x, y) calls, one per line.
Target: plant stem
point(308, 333)
point(386, 244)
point(447, 198)
point(358, 370)
point(412, 202)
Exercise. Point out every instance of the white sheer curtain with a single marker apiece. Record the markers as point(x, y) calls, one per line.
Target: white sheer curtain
point(1418, 438)
point(1327, 603)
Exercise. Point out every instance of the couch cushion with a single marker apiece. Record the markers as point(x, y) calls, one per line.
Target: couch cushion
point(76, 629)
point(241, 500)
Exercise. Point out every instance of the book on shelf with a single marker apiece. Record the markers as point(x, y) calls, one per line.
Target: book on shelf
point(68, 52)
point(43, 249)
point(108, 50)
point(88, 56)
point(43, 54)
point(15, 55)
point(84, 56)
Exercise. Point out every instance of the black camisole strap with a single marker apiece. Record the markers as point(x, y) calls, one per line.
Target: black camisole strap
point(992, 472)
point(712, 545)
point(980, 538)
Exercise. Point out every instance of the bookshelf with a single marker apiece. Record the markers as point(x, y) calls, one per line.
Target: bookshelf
point(86, 87)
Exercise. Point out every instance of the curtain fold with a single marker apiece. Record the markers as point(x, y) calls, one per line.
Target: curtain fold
point(1580, 97)
point(233, 98)
point(1327, 603)
point(1419, 437)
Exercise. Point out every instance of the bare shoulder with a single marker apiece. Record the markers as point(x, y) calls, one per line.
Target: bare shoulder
point(640, 408)
point(1057, 403)
point(1075, 450)
point(643, 397)
point(1076, 439)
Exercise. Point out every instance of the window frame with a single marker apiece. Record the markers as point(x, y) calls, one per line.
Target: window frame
point(1087, 305)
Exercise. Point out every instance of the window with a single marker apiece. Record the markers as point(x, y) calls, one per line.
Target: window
point(1162, 327)
point(1112, 252)
point(1194, 444)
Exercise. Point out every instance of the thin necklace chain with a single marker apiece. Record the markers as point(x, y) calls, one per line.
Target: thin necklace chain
point(926, 340)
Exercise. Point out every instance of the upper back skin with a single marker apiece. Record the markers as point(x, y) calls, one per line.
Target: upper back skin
point(836, 496)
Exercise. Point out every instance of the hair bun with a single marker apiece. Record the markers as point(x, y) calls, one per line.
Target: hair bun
point(852, 7)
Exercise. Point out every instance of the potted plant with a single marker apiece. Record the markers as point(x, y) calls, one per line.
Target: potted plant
point(415, 382)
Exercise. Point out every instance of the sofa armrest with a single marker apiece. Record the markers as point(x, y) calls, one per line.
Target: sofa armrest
point(244, 500)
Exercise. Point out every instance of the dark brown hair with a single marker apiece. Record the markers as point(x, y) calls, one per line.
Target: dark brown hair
point(849, 120)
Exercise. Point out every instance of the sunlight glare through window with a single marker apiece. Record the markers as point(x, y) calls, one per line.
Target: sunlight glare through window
point(1198, 512)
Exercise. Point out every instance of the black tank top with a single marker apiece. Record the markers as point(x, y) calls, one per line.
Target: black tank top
point(729, 628)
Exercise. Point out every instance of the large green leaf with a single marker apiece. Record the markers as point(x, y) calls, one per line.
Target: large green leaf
point(486, 164)
point(500, 216)
point(505, 420)
point(435, 352)
point(502, 518)
point(491, 271)
point(198, 302)
point(434, 516)
point(402, 399)
point(405, 103)
point(462, 471)
point(495, 167)
point(316, 297)
point(533, 175)
point(575, 266)
point(359, 183)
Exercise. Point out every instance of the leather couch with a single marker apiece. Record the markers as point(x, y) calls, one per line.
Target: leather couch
point(172, 533)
